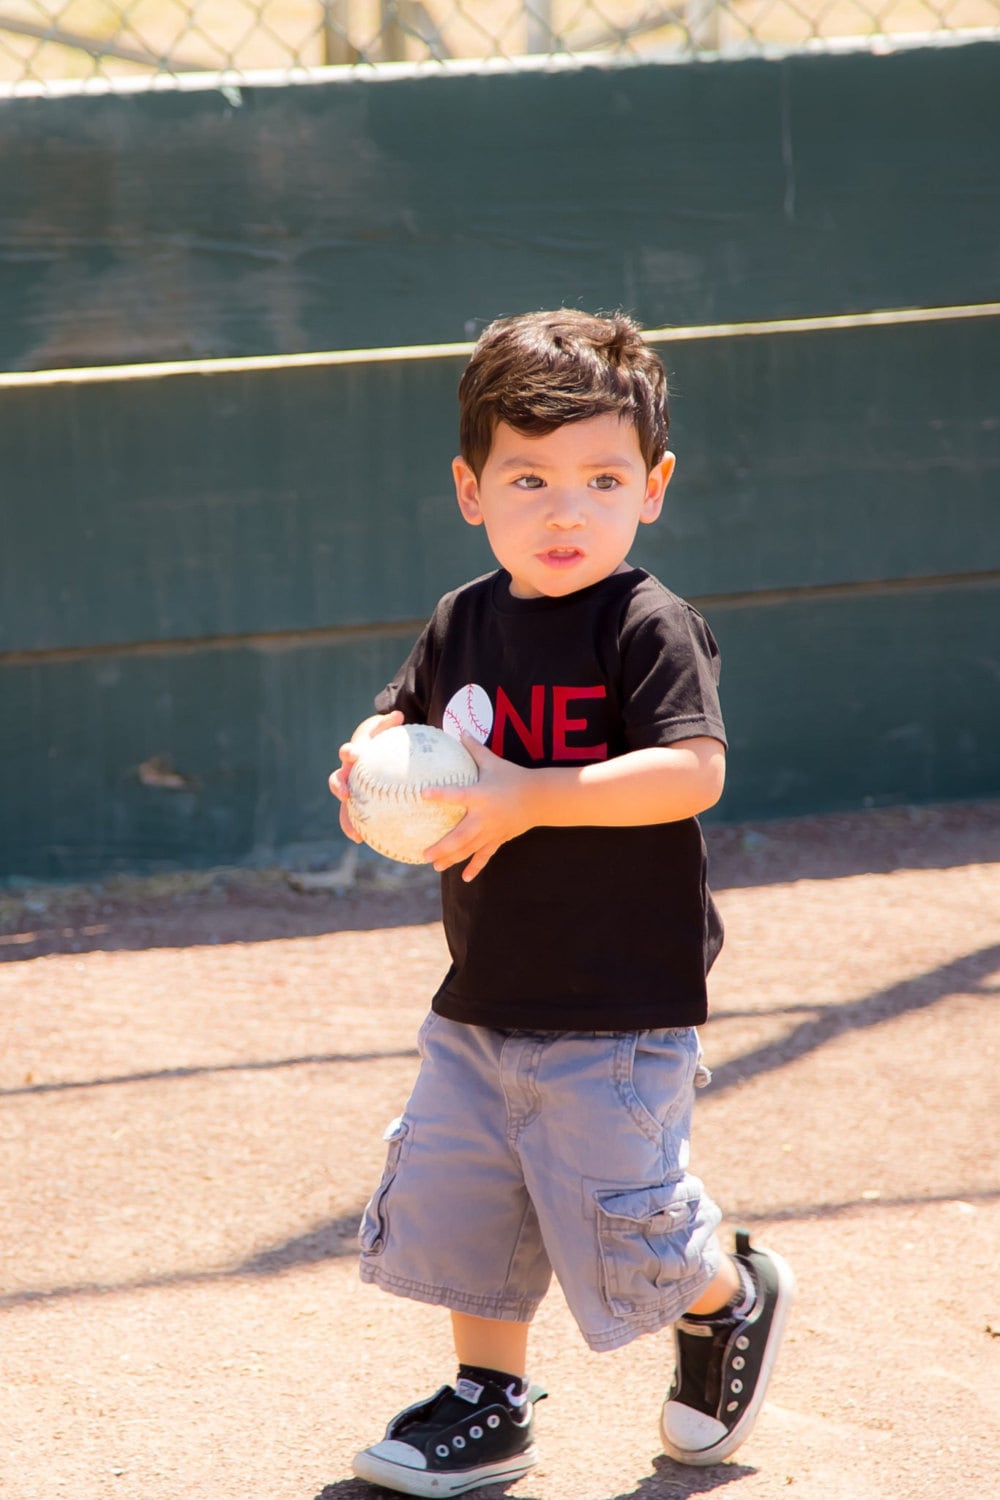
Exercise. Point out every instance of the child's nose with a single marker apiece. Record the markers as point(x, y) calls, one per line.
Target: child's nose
point(566, 510)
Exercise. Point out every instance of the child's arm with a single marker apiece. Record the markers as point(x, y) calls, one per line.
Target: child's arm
point(348, 755)
point(662, 784)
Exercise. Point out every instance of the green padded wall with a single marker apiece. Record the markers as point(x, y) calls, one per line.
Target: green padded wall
point(205, 574)
point(187, 507)
point(374, 212)
point(163, 759)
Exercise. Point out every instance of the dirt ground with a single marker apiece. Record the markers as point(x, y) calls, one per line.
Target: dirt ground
point(194, 1079)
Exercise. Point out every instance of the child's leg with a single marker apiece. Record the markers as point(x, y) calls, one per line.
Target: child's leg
point(491, 1344)
point(724, 1354)
point(452, 1223)
point(637, 1248)
point(477, 1432)
point(719, 1292)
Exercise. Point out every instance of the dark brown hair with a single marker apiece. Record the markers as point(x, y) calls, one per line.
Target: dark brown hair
point(539, 371)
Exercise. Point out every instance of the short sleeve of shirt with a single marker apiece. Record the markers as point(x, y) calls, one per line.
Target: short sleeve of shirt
point(670, 675)
point(410, 690)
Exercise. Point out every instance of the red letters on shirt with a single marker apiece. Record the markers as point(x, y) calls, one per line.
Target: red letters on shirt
point(531, 738)
point(562, 725)
point(565, 727)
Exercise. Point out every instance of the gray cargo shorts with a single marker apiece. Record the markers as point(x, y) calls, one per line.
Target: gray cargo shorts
point(522, 1153)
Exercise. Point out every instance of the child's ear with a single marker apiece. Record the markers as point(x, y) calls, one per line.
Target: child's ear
point(657, 480)
point(467, 492)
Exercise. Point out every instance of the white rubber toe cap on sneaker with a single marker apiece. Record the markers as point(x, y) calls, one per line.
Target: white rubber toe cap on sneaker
point(394, 1452)
point(687, 1433)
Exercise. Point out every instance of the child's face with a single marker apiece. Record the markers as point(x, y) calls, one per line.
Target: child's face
point(562, 511)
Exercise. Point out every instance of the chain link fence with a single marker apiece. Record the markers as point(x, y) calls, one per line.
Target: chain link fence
point(45, 42)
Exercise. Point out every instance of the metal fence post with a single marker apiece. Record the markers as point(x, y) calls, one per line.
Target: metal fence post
point(337, 47)
point(538, 25)
point(704, 24)
point(392, 34)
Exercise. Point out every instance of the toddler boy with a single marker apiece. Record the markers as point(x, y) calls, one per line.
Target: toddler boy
point(548, 1129)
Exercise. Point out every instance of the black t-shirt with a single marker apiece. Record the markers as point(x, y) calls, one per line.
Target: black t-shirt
point(566, 929)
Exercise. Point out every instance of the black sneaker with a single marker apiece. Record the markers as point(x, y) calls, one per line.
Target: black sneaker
point(466, 1435)
point(724, 1364)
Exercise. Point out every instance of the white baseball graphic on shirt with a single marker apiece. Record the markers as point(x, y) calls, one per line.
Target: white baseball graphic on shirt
point(469, 712)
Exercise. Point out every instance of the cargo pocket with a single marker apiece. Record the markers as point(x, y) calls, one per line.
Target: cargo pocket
point(650, 1238)
point(374, 1228)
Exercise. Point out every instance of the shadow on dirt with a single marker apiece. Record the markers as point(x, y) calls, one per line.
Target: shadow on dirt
point(838, 845)
point(968, 975)
point(169, 1075)
point(201, 911)
point(331, 1240)
point(973, 974)
point(804, 1212)
point(336, 1239)
point(205, 908)
point(669, 1481)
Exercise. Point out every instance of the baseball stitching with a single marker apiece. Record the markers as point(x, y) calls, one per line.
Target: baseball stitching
point(480, 728)
point(395, 792)
point(452, 717)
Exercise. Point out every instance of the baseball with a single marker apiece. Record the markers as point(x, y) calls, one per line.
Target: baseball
point(384, 790)
point(469, 712)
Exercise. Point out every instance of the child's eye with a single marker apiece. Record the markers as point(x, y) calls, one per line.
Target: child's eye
point(528, 482)
point(605, 482)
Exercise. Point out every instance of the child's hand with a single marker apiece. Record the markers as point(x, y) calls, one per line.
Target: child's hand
point(497, 809)
point(349, 753)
